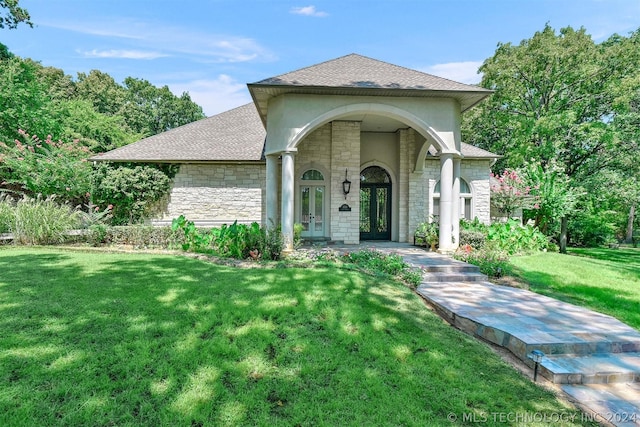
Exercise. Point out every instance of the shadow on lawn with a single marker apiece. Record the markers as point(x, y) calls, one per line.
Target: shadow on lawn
point(624, 259)
point(159, 340)
point(618, 303)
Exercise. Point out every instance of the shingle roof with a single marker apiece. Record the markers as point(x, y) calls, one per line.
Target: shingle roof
point(235, 135)
point(472, 152)
point(361, 72)
point(358, 75)
point(239, 134)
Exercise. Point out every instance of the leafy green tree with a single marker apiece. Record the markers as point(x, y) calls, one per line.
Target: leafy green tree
point(106, 95)
point(554, 101)
point(5, 53)
point(99, 132)
point(13, 15)
point(151, 110)
point(24, 101)
point(47, 167)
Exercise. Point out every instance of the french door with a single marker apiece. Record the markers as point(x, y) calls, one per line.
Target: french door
point(312, 210)
point(375, 211)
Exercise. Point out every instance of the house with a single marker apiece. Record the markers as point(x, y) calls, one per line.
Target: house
point(352, 148)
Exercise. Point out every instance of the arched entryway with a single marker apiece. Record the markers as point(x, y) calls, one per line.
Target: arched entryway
point(375, 204)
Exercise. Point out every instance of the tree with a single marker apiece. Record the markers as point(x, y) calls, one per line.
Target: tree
point(13, 15)
point(554, 101)
point(151, 110)
point(24, 101)
point(107, 96)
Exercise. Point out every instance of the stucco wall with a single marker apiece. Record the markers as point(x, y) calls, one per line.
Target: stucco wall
point(217, 194)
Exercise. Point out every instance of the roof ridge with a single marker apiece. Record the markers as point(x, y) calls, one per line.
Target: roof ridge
point(307, 67)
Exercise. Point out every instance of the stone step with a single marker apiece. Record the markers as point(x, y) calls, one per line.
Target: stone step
point(454, 277)
point(603, 368)
point(452, 268)
point(615, 404)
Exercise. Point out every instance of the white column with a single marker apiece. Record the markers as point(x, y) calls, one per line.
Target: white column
point(272, 191)
point(288, 186)
point(456, 203)
point(446, 202)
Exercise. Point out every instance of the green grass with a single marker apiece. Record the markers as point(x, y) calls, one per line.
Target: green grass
point(130, 339)
point(605, 280)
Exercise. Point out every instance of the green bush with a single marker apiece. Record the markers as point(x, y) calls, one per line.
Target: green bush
point(393, 265)
point(473, 238)
point(133, 192)
point(239, 241)
point(591, 228)
point(42, 221)
point(514, 238)
point(47, 167)
point(6, 214)
point(144, 236)
point(491, 260)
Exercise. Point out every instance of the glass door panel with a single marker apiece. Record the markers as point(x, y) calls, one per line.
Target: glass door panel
point(312, 210)
point(365, 203)
point(318, 219)
point(305, 214)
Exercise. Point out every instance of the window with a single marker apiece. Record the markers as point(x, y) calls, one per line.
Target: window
point(465, 200)
point(312, 175)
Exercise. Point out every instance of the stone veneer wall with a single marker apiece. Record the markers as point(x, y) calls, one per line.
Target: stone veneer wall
point(407, 185)
point(345, 155)
point(476, 173)
point(215, 194)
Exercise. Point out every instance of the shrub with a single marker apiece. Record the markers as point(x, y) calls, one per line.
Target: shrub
point(393, 265)
point(239, 241)
point(42, 221)
point(591, 228)
point(491, 260)
point(144, 236)
point(6, 213)
point(132, 191)
point(473, 238)
point(47, 167)
point(514, 238)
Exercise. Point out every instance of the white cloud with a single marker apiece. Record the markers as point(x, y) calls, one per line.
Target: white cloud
point(308, 11)
point(463, 72)
point(141, 36)
point(214, 96)
point(122, 54)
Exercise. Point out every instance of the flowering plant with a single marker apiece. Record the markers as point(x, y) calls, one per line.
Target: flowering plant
point(47, 167)
point(509, 192)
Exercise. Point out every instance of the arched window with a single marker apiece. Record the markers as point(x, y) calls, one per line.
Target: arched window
point(375, 175)
point(312, 175)
point(465, 200)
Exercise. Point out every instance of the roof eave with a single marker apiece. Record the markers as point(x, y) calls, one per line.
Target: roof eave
point(261, 97)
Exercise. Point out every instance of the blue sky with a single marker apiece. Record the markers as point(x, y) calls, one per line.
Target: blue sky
point(212, 48)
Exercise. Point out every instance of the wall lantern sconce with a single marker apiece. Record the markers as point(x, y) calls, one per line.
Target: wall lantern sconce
point(346, 185)
point(536, 356)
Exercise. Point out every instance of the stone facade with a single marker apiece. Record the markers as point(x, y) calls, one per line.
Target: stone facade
point(345, 157)
point(476, 173)
point(215, 194)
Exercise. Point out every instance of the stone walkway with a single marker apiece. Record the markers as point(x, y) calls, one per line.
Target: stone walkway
point(595, 358)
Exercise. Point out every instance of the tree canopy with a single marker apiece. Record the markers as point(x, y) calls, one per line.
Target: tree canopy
point(563, 105)
point(13, 14)
point(50, 123)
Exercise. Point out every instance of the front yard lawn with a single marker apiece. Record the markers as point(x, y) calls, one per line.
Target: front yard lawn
point(133, 339)
point(605, 280)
